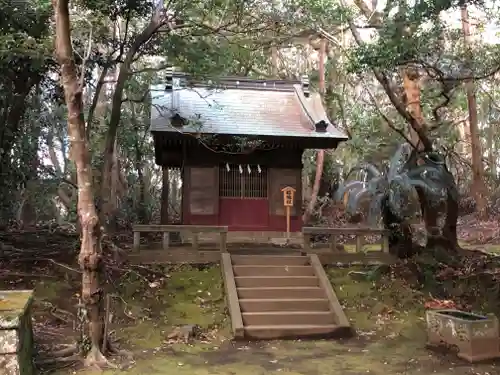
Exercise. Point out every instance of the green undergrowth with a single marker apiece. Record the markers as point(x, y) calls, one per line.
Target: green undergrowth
point(387, 314)
point(184, 295)
point(53, 289)
point(489, 248)
point(351, 248)
point(365, 301)
point(469, 281)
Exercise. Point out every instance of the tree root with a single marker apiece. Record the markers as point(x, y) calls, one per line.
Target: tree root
point(96, 359)
point(71, 353)
point(75, 358)
point(60, 314)
point(113, 350)
point(69, 350)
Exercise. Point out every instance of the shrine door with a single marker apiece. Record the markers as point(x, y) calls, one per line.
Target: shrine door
point(243, 192)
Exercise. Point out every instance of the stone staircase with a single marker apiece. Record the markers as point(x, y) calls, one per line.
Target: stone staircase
point(281, 297)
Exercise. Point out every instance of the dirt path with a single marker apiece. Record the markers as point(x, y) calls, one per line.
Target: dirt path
point(358, 356)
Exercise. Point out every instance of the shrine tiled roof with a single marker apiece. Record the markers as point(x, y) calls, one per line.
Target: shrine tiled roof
point(241, 107)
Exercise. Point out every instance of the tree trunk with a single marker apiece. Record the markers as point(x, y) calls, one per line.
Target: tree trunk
point(14, 104)
point(320, 156)
point(90, 251)
point(492, 158)
point(114, 189)
point(450, 224)
point(164, 197)
point(464, 148)
point(124, 73)
point(413, 114)
point(400, 237)
point(64, 198)
point(142, 214)
point(430, 210)
point(478, 188)
point(411, 86)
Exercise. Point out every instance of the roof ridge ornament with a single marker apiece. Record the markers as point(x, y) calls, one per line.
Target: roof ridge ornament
point(169, 78)
point(321, 126)
point(305, 85)
point(177, 121)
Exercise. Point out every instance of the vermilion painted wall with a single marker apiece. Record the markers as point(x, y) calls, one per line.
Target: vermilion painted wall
point(245, 215)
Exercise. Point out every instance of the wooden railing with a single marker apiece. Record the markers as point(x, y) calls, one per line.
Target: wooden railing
point(233, 302)
point(359, 232)
point(333, 302)
point(195, 230)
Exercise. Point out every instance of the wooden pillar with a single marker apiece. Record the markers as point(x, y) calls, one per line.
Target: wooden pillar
point(137, 241)
point(385, 243)
point(359, 242)
point(195, 241)
point(164, 197)
point(223, 242)
point(307, 242)
point(333, 242)
point(166, 240)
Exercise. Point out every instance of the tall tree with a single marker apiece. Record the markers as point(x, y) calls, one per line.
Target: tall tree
point(90, 259)
point(24, 61)
point(320, 154)
point(387, 57)
point(478, 187)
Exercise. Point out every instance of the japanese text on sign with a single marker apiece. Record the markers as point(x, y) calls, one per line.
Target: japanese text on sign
point(288, 194)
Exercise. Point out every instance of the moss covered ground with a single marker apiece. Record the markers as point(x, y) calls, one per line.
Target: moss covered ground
point(147, 304)
point(388, 316)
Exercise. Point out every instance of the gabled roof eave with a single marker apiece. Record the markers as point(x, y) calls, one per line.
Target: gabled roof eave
point(315, 111)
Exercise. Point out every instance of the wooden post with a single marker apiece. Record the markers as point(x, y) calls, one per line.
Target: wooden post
point(287, 208)
point(223, 242)
point(288, 193)
point(164, 197)
point(307, 242)
point(166, 240)
point(359, 243)
point(137, 240)
point(385, 243)
point(195, 240)
point(333, 242)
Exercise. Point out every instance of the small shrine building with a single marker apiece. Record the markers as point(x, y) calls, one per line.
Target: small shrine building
point(238, 143)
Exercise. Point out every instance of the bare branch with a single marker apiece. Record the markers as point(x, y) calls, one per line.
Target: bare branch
point(95, 99)
point(388, 85)
point(87, 54)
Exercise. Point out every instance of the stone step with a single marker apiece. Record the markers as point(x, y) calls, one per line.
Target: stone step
point(266, 270)
point(271, 332)
point(281, 292)
point(271, 318)
point(283, 304)
point(270, 260)
point(276, 281)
